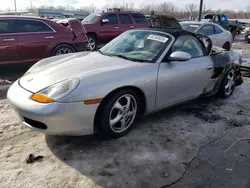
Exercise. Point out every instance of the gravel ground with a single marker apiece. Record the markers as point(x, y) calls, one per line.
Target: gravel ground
point(159, 151)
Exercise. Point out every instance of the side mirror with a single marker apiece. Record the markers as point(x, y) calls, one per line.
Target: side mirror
point(105, 21)
point(180, 56)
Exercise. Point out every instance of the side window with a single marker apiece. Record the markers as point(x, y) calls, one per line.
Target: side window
point(7, 27)
point(112, 19)
point(206, 30)
point(32, 26)
point(188, 44)
point(140, 18)
point(125, 19)
point(217, 30)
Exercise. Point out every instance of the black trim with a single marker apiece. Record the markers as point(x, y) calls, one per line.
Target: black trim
point(35, 124)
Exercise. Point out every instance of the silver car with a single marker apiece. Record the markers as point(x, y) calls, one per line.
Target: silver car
point(219, 36)
point(137, 73)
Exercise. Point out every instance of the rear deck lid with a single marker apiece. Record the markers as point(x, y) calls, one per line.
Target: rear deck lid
point(75, 25)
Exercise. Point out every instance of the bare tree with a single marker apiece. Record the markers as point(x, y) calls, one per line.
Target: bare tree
point(59, 7)
point(206, 9)
point(146, 9)
point(167, 8)
point(192, 10)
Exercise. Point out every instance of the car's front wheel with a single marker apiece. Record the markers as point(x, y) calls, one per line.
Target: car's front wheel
point(228, 84)
point(118, 113)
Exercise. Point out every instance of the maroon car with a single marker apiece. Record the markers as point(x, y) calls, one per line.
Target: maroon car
point(29, 39)
point(105, 26)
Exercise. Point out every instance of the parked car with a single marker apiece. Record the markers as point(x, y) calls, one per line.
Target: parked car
point(219, 36)
point(221, 19)
point(105, 26)
point(245, 24)
point(139, 72)
point(30, 39)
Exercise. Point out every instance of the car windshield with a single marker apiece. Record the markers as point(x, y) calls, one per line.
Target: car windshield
point(190, 27)
point(140, 46)
point(92, 18)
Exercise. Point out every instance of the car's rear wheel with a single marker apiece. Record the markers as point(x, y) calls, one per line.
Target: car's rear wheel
point(63, 49)
point(226, 46)
point(119, 113)
point(92, 42)
point(228, 84)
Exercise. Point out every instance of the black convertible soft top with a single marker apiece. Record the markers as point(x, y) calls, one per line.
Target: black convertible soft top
point(174, 32)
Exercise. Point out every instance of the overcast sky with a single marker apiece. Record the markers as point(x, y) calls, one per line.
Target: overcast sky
point(214, 4)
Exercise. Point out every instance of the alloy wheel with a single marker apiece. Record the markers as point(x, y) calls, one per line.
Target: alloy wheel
point(91, 44)
point(123, 113)
point(63, 51)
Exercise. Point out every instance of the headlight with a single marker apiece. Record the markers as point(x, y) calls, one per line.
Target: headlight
point(248, 36)
point(56, 91)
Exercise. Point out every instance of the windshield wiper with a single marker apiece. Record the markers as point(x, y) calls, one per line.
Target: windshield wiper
point(122, 56)
point(103, 53)
point(129, 58)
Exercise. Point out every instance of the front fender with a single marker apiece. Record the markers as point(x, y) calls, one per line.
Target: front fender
point(98, 86)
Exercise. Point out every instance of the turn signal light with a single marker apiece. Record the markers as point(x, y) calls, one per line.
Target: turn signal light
point(42, 98)
point(92, 101)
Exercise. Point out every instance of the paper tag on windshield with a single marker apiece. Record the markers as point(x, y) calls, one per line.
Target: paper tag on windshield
point(158, 38)
point(194, 26)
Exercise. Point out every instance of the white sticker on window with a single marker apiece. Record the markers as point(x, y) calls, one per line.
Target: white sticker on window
point(194, 26)
point(158, 38)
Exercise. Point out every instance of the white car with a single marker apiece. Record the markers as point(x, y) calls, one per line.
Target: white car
point(219, 36)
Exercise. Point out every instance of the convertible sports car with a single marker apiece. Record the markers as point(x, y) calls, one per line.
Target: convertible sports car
point(137, 73)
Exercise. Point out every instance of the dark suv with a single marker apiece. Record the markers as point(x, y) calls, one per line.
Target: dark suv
point(105, 26)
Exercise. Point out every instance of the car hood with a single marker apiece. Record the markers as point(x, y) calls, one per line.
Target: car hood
point(52, 70)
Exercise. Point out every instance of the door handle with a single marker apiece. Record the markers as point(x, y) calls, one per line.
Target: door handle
point(209, 67)
point(116, 27)
point(50, 37)
point(132, 26)
point(8, 40)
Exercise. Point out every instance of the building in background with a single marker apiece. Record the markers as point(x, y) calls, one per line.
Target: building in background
point(50, 13)
point(59, 14)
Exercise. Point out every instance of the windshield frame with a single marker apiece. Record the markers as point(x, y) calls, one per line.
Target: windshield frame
point(154, 60)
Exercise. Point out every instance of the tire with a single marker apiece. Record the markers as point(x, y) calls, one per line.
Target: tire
point(226, 46)
point(115, 110)
point(63, 49)
point(228, 84)
point(92, 42)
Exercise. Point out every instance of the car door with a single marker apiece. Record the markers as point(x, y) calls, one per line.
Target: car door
point(220, 36)
point(208, 30)
point(126, 23)
point(183, 80)
point(35, 39)
point(8, 42)
point(110, 28)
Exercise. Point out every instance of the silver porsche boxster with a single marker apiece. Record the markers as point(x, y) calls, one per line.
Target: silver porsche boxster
point(137, 73)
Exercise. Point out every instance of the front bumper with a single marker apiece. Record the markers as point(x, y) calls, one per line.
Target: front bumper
point(54, 118)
